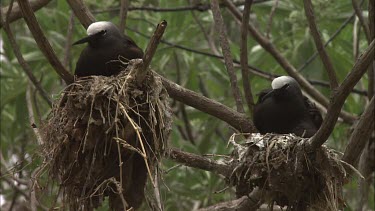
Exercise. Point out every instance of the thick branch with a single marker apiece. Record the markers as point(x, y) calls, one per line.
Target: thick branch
point(237, 120)
point(82, 12)
point(220, 28)
point(245, 203)
point(42, 41)
point(270, 48)
point(360, 135)
point(309, 11)
point(16, 12)
point(243, 58)
point(196, 161)
point(340, 96)
point(151, 49)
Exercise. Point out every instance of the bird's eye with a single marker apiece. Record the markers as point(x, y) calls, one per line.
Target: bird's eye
point(103, 32)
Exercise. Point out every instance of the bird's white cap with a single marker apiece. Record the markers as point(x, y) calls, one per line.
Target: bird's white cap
point(279, 82)
point(99, 26)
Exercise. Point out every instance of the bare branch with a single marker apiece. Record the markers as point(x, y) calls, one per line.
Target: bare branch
point(339, 97)
point(245, 203)
point(243, 58)
point(23, 63)
point(362, 20)
point(270, 48)
point(269, 25)
point(196, 161)
point(42, 41)
point(82, 12)
point(16, 12)
point(309, 11)
point(237, 120)
point(123, 14)
point(254, 70)
point(68, 42)
point(151, 49)
point(360, 135)
point(196, 7)
point(371, 70)
point(220, 28)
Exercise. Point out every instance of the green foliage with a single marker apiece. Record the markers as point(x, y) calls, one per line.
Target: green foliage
point(184, 187)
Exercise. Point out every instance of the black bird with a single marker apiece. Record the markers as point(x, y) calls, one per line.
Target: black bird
point(107, 52)
point(283, 109)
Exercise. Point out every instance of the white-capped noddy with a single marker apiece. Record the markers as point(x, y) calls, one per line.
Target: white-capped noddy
point(106, 45)
point(283, 109)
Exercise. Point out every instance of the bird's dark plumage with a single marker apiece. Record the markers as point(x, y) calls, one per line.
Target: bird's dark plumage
point(106, 47)
point(283, 109)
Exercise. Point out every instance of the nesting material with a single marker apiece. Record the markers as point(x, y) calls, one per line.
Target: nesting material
point(104, 137)
point(286, 174)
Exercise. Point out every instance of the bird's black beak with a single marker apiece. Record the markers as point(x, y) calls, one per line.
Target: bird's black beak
point(90, 38)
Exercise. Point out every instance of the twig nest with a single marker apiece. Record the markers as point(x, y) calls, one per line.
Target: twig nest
point(104, 137)
point(288, 175)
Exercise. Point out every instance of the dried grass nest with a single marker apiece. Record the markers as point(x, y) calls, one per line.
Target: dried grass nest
point(286, 174)
point(104, 137)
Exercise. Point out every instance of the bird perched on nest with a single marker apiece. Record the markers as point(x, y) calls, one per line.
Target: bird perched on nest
point(107, 52)
point(283, 109)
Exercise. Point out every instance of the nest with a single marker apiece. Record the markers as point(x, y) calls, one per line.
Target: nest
point(286, 174)
point(104, 137)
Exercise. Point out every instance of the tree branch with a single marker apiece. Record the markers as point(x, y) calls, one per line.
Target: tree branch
point(27, 69)
point(196, 161)
point(309, 11)
point(254, 70)
point(42, 41)
point(16, 12)
point(360, 135)
point(339, 97)
point(151, 49)
point(244, 57)
point(270, 48)
point(371, 70)
point(123, 13)
point(237, 120)
point(220, 28)
point(82, 12)
point(362, 20)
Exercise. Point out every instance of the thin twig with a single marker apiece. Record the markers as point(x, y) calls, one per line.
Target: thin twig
point(16, 12)
point(340, 96)
point(221, 30)
point(42, 41)
point(123, 14)
point(243, 58)
point(196, 7)
point(270, 48)
point(360, 135)
point(309, 11)
point(371, 70)
point(358, 11)
point(150, 50)
point(68, 42)
point(334, 35)
point(254, 70)
point(269, 25)
point(81, 12)
point(23, 63)
point(356, 38)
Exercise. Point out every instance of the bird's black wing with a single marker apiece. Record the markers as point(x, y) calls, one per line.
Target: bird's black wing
point(314, 113)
